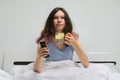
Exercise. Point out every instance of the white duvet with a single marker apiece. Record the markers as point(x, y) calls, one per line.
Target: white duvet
point(64, 70)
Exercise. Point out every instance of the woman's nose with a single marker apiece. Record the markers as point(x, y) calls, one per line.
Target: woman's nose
point(59, 19)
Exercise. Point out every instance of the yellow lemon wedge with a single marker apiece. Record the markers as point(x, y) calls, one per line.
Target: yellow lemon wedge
point(59, 36)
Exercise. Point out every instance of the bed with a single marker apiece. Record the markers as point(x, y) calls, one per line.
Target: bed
point(105, 67)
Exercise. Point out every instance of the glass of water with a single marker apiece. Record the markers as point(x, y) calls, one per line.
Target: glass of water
point(59, 37)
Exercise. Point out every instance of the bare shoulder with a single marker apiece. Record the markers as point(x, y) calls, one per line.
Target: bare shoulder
point(75, 35)
point(42, 39)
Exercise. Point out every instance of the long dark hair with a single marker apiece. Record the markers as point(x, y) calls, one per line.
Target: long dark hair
point(49, 26)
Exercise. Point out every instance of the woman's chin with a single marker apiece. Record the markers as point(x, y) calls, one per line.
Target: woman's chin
point(59, 30)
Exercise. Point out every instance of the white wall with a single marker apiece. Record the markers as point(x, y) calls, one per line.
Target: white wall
point(96, 21)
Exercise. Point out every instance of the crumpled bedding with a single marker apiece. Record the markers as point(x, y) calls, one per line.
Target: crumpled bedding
point(67, 70)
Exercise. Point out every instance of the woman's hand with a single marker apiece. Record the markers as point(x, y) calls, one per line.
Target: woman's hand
point(42, 52)
point(70, 39)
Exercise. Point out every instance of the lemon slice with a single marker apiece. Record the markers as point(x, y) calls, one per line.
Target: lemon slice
point(59, 36)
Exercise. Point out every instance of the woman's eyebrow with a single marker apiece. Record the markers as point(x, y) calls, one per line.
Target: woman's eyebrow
point(59, 16)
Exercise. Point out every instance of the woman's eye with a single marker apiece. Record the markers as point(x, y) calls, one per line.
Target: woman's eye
point(59, 17)
point(62, 17)
point(55, 17)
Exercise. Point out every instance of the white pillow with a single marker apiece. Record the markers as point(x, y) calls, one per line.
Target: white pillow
point(20, 69)
point(17, 70)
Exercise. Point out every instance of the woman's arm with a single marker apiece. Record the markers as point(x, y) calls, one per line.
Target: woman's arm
point(71, 39)
point(41, 53)
point(38, 64)
point(81, 54)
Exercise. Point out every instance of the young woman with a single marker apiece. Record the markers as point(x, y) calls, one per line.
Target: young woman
point(59, 21)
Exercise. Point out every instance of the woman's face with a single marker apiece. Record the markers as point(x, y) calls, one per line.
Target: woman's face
point(59, 21)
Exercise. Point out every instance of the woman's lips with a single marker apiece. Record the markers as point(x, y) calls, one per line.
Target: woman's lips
point(59, 25)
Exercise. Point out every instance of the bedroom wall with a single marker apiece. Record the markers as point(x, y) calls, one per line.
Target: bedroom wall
point(96, 21)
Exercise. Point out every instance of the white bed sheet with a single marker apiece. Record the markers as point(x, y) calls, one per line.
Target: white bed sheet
point(5, 76)
point(62, 70)
point(20, 69)
point(68, 70)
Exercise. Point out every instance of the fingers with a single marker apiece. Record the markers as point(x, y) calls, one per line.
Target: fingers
point(43, 55)
point(66, 42)
point(68, 34)
point(67, 38)
point(43, 52)
point(38, 45)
